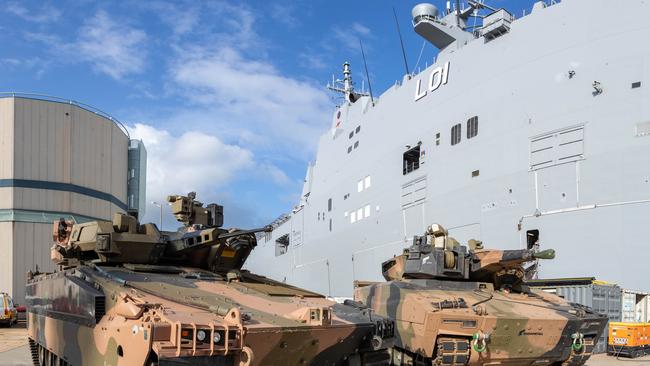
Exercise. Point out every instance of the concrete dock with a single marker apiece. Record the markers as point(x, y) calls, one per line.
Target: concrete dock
point(15, 352)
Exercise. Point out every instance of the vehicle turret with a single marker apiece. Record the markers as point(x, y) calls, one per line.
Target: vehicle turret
point(200, 242)
point(436, 255)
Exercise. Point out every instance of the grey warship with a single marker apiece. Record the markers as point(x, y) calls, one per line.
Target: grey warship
point(526, 133)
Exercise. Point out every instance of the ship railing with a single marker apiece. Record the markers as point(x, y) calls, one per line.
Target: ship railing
point(56, 99)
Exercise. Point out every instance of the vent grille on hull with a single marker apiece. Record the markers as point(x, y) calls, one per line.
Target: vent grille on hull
point(100, 308)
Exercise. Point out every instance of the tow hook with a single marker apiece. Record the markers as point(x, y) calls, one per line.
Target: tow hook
point(479, 341)
point(578, 341)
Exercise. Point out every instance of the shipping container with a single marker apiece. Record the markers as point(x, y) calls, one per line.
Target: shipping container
point(602, 297)
point(628, 339)
point(634, 307)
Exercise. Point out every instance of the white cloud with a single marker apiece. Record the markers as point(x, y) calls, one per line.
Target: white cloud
point(111, 48)
point(348, 36)
point(278, 176)
point(45, 13)
point(34, 64)
point(251, 100)
point(114, 49)
point(181, 18)
point(200, 162)
point(192, 161)
point(283, 13)
point(360, 29)
point(312, 60)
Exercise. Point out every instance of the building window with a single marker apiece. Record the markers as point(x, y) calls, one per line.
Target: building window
point(356, 144)
point(360, 214)
point(438, 139)
point(360, 185)
point(366, 182)
point(329, 205)
point(330, 224)
point(319, 216)
point(353, 217)
point(351, 134)
point(358, 129)
point(349, 149)
point(366, 211)
point(411, 160)
point(455, 134)
point(472, 127)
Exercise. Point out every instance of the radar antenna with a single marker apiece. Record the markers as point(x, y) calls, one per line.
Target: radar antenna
point(363, 54)
point(401, 42)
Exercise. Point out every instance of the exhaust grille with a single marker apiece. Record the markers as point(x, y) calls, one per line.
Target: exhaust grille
point(100, 308)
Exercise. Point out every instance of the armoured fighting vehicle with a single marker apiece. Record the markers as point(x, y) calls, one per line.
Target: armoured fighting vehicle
point(128, 294)
point(458, 306)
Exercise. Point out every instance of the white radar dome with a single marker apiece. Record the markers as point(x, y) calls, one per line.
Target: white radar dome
point(424, 9)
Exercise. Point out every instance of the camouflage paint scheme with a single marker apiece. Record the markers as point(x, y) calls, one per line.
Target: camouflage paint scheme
point(101, 309)
point(444, 315)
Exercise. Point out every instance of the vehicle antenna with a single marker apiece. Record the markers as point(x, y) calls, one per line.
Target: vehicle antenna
point(365, 65)
point(401, 41)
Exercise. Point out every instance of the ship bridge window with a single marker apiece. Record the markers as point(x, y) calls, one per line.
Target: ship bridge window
point(329, 205)
point(281, 244)
point(472, 127)
point(455, 134)
point(438, 139)
point(411, 160)
point(358, 129)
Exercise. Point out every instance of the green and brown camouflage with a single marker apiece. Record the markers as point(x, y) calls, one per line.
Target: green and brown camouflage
point(128, 294)
point(455, 305)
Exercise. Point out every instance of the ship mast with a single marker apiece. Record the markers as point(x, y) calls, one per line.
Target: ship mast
point(345, 86)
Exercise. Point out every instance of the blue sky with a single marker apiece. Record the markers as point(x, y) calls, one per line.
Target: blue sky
point(228, 96)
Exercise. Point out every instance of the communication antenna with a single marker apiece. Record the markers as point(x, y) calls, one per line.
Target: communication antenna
point(401, 41)
point(363, 54)
point(458, 13)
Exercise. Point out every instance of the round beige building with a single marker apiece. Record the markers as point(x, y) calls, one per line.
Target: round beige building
point(58, 159)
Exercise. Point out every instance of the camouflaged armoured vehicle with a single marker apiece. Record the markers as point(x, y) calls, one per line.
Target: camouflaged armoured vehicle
point(458, 306)
point(128, 294)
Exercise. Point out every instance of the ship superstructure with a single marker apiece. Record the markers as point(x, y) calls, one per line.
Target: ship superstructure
point(529, 132)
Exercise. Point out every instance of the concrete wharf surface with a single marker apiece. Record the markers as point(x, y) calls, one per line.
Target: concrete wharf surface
point(15, 352)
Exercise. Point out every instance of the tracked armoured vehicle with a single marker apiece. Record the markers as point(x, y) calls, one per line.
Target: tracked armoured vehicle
point(129, 294)
point(455, 305)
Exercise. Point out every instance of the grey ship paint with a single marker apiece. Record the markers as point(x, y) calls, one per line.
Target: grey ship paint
point(535, 130)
